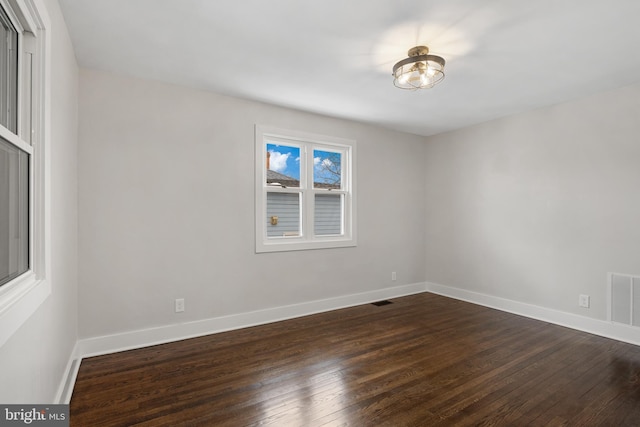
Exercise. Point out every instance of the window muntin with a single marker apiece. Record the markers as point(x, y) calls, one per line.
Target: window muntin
point(304, 191)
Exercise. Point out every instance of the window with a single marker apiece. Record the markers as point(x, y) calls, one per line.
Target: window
point(23, 214)
point(304, 191)
point(14, 212)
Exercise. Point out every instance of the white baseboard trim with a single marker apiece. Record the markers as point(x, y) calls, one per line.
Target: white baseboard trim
point(602, 328)
point(65, 388)
point(152, 336)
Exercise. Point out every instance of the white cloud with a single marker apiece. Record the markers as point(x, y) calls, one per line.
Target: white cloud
point(319, 162)
point(278, 161)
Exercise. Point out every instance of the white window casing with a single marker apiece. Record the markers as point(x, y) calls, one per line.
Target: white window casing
point(300, 212)
point(21, 297)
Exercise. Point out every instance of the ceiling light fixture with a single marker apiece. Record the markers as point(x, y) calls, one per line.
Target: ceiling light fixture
point(419, 71)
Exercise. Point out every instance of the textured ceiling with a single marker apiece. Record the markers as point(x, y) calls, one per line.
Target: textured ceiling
point(334, 57)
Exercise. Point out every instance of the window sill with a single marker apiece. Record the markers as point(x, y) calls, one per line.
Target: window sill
point(287, 244)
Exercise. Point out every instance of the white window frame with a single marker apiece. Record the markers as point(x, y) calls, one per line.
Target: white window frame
point(22, 296)
point(307, 143)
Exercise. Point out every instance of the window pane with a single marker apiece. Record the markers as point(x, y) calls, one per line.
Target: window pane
point(328, 214)
point(283, 165)
point(8, 73)
point(283, 214)
point(327, 169)
point(14, 212)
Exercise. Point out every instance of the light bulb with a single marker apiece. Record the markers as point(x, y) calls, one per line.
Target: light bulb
point(404, 78)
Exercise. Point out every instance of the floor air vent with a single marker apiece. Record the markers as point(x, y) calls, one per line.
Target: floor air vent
point(381, 303)
point(624, 299)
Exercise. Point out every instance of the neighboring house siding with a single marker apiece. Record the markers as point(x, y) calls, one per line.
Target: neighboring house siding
point(328, 214)
point(286, 206)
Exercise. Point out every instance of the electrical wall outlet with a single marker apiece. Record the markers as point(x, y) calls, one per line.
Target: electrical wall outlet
point(583, 301)
point(393, 276)
point(179, 305)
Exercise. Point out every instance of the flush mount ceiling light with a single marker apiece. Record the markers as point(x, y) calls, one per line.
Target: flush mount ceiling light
point(419, 71)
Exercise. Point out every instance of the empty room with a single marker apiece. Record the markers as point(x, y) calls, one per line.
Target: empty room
point(320, 213)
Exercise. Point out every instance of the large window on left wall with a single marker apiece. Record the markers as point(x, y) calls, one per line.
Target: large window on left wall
point(23, 199)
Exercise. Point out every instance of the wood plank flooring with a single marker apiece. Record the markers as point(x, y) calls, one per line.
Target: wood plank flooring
point(424, 360)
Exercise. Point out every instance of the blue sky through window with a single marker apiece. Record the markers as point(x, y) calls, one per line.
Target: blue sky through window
point(327, 167)
point(285, 159)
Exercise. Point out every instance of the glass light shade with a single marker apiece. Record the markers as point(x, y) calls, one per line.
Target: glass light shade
point(419, 71)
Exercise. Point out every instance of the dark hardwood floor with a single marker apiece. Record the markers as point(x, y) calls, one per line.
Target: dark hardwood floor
point(424, 360)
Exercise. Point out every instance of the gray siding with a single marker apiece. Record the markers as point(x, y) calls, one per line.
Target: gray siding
point(286, 206)
point(328, 214)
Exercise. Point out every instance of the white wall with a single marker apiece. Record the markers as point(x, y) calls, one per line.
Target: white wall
point(33, 362)
point(538, 207)
point(167, 208)
point(535, 208)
